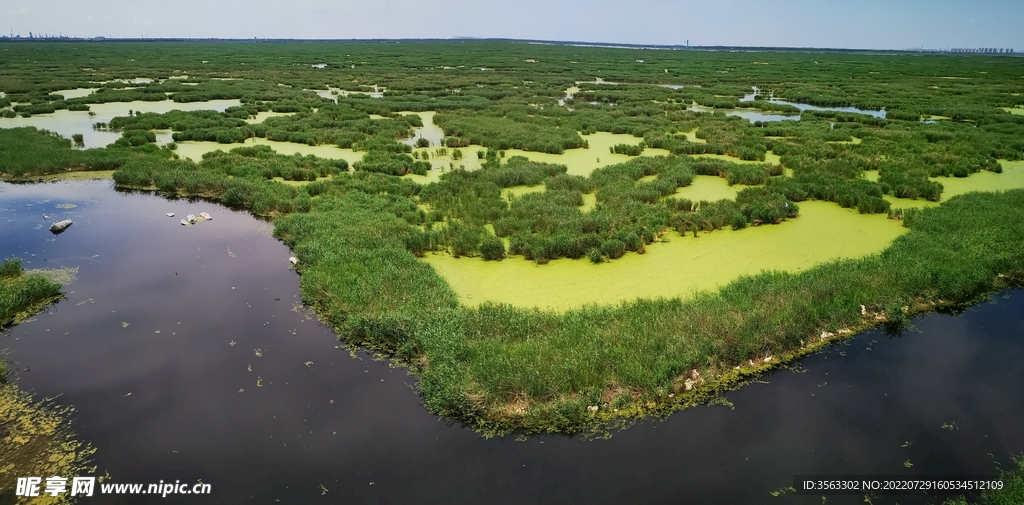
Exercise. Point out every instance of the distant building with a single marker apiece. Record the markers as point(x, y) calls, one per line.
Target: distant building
point(981, 50)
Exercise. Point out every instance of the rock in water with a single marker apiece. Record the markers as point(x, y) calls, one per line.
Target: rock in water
point(170, 214)
point(60, 226)
point(293, 260)
point(205, 216)
point(184, 222)
point(191, 218)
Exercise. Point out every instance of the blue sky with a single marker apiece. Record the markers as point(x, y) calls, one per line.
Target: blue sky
point(881, 24)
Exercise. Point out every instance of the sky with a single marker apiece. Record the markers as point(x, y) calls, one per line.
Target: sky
point(859, 24)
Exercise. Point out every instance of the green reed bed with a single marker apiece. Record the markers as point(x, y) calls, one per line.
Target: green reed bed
point(1012, 492)
point(22, 294)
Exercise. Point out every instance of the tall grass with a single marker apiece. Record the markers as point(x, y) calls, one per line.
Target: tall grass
point(1012, 492)
point(21, 293)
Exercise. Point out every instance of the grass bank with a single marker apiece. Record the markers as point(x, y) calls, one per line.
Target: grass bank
point(499, 368)
point(35, 438)
point(1012, 492)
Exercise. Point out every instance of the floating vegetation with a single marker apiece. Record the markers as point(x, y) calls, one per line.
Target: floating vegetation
point(36, 439)
point(62, 276)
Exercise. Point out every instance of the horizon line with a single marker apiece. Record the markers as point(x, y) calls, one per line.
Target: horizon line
point(1005, 51)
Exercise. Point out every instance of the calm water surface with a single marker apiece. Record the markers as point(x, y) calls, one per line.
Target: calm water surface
point(170, 395)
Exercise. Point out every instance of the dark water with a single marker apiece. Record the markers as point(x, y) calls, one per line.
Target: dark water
point(312, 424)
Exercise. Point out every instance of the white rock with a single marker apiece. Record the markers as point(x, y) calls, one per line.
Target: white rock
point(184, 222)
point(293, 260)
point(60, 226)
point(191, 218)
point(688, 384)
point(205, 216)
point(170, 214)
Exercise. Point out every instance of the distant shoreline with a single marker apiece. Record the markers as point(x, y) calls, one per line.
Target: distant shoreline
point(607, 45)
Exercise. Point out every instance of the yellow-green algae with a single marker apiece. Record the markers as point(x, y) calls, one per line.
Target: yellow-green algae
point(683, 265)
point(691, 136)
point(769, 157)
point(195, 150)
point(709, 188)
point(579, 161)
point(679, 266)
point(515, 191)
point(298, 183)
point(584, 161)
point(589, 202)
point(262, 116)
point(429, 130)
point(1011, 178)
point(35, 440)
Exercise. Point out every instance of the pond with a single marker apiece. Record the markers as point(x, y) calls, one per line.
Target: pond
point(67, 123)
point(170, 394)
point(1012, 177)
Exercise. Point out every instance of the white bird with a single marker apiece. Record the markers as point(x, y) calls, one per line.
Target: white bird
point(45, 217)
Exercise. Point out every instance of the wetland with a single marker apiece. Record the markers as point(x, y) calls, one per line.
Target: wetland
point(532, 263)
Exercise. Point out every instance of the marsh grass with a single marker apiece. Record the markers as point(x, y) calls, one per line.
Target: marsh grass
point(21, 294)
point(1011, 494)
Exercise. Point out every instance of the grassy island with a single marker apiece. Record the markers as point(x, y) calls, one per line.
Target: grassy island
point(552, 155)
